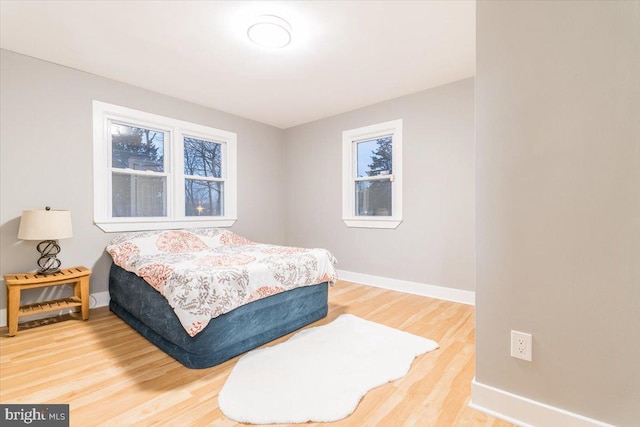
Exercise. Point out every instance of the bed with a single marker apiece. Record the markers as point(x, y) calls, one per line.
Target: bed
point(205, 296)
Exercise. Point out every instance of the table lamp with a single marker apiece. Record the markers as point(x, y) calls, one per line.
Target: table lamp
point(47, 225)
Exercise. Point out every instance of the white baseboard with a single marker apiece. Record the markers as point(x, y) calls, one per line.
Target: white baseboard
point(524, 412)
point(99, 299)
point(415, 288)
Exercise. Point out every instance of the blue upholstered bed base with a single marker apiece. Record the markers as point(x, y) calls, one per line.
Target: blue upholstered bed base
point(226, 336)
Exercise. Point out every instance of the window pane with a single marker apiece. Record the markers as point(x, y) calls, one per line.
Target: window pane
point(374, 157)
point(203, 198)
point(136, 196)
point(202, 158)
point(373, 198)
point(137, 148)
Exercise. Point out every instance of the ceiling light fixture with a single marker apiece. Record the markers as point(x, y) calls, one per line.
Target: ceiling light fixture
point(270, 31)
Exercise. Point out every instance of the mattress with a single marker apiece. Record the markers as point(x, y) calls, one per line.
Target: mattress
point(226, 336)
point(206, 272)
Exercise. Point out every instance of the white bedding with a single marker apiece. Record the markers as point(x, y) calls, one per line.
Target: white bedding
point(206, 272)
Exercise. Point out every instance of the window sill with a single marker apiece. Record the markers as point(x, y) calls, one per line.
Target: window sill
point(372, 222)
point(121, 226)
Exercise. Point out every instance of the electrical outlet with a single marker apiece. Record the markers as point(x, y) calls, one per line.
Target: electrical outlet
point(521, 345)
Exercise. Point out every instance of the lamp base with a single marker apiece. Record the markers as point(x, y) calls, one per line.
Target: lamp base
point(48, 262)
point(48, 272)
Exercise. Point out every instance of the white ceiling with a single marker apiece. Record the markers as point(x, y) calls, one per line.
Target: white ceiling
point(344, 54)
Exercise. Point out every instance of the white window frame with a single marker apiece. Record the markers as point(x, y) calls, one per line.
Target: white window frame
point(175, 131)
point(350, 138)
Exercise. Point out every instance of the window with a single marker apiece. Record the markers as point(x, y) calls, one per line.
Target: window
point(153, 172)
point(372, 176)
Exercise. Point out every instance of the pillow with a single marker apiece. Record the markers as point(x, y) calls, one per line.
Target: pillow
point(170, 241)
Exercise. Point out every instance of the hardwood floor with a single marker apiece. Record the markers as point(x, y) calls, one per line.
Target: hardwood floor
point(112, 376)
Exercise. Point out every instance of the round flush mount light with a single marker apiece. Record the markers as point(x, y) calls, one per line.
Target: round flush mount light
point(270, 31)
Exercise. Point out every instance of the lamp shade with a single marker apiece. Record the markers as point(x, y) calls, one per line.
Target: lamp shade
point(41, 224)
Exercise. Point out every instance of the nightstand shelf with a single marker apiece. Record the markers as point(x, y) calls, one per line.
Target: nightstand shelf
point(76, 276)
point(44, 306)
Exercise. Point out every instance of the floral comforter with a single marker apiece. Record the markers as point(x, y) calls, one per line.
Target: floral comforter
point(206, 272)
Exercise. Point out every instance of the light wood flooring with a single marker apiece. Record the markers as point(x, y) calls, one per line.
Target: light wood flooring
point(111, 376)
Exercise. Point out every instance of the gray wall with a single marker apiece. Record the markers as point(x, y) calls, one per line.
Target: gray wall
point(558, 202)
point(46, 159)
point(435, 243)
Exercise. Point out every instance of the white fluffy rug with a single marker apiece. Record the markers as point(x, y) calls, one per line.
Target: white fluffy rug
point(319, 374)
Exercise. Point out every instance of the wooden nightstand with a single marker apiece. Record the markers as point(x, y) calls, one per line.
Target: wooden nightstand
point(77, 276)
